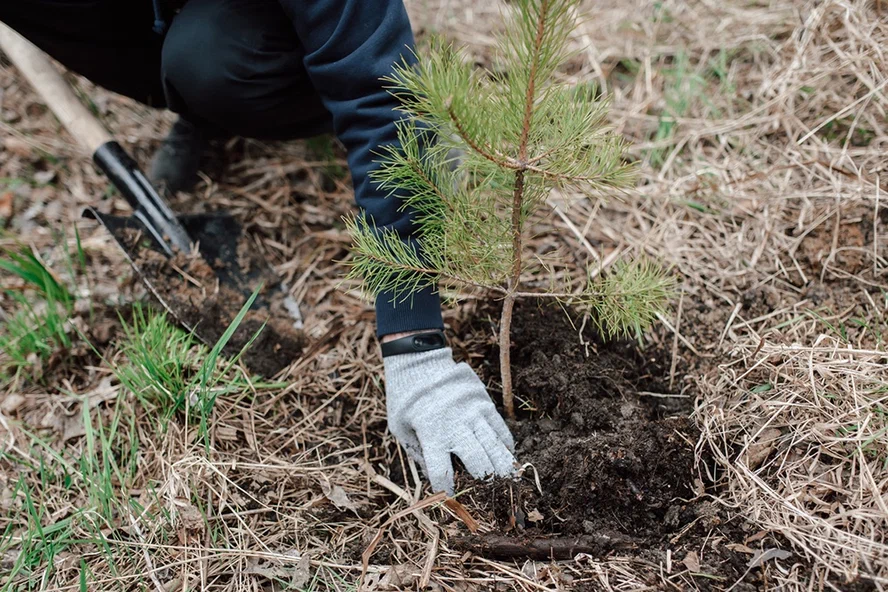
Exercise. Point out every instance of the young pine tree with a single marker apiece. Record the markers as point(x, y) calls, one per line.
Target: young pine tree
point(519, 134)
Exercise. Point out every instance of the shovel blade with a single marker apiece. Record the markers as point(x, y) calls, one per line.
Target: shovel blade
point(202, 303)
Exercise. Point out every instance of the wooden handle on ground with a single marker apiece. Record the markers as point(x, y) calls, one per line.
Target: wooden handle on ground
point(56, 93)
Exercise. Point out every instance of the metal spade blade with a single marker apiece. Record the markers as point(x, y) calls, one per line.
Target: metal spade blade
point(205, 302)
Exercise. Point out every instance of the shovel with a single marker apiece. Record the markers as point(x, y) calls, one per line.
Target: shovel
point(157, 242)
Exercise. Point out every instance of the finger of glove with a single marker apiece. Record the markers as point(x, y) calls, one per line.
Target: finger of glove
point(439, 469)
point(473, 456)
point(498, 424)
point(501, 458)
point(410, 442)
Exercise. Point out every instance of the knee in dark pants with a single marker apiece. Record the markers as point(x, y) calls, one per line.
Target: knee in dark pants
point(237, 65)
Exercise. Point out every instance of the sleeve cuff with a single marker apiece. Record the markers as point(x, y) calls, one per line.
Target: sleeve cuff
point(418, 312)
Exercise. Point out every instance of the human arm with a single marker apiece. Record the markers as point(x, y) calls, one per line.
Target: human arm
point(435, 406)
point(350, 45)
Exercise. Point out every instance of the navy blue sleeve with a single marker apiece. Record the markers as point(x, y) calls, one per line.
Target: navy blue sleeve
point(349, 46)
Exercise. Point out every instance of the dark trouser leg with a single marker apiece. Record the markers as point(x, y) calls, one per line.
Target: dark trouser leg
point(111, 42)
point(233, 64)
point(237, 66)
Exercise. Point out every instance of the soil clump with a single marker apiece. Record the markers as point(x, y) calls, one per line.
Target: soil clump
point(190, 289)
point(612, 450)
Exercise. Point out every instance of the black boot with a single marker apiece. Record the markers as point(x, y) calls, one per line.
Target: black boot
point(176, 163)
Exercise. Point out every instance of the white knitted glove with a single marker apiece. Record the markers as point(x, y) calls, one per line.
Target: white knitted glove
point(436, 408)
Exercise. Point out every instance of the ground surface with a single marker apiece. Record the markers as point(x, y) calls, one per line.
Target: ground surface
point(742, 446)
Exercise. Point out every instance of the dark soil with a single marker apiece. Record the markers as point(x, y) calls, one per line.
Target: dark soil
point(189, 288)
point(614, 456)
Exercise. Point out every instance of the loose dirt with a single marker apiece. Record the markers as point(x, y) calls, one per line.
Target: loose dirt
point(612, 450)
point(189, 288)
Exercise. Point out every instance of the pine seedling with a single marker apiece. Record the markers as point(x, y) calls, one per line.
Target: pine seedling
point(520, 135)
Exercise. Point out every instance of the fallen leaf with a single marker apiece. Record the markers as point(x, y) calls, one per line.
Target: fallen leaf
point(17, 146)
point(692, 562)
point(756, 537)
point(399, 577)
point(44, 177)
point(462, 513)
point(761, 557)
point(74, 427)
point(740, 548)
point(757, 452)
point(11, 403)
point(535, 516)
point(302, 573)
point(226, 433)
point(103, 392)
point(7, 201)
point(337, 495)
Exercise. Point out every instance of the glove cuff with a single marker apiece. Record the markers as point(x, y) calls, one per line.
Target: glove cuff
point(419, 342)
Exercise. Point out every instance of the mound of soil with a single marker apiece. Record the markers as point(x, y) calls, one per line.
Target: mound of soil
point(190, 289)
point(612, 451)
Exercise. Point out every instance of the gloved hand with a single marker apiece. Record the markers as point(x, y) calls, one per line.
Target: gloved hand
point(437, 407)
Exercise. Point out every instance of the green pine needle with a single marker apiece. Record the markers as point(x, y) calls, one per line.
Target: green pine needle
point(518, 134)
point(629, 299)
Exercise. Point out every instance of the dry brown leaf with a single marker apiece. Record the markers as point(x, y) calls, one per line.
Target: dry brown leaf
point(74, 427)
point(302, 573)
point(756, 537)
point(338, 497)
point(462, 513)
point(764, 445)
point(7, 203)
point(11, 403)
point(535, 516)
point(740, 548)
point(17, 146)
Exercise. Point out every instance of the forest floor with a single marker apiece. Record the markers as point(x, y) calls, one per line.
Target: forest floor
point(742, 446)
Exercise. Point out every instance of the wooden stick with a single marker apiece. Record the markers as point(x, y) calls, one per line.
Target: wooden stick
point(56, 93)
point(496, 546)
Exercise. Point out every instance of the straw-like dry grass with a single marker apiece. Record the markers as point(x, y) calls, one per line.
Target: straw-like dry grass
point(761, 131)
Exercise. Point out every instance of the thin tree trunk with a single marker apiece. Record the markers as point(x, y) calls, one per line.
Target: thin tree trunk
point(517, 222)
point(509, 301)
point(505, 332)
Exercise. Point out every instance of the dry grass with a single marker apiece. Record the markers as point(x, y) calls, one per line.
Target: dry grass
point(802, 430)
point(761, 131)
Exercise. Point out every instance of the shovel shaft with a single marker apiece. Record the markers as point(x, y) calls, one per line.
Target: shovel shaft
point(56, 93)
point(150, 209)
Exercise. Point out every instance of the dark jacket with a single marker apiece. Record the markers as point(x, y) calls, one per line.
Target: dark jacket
point(344, 47)
point(350, 45)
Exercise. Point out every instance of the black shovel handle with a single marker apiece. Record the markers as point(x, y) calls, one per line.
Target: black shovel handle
point(149, 207)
